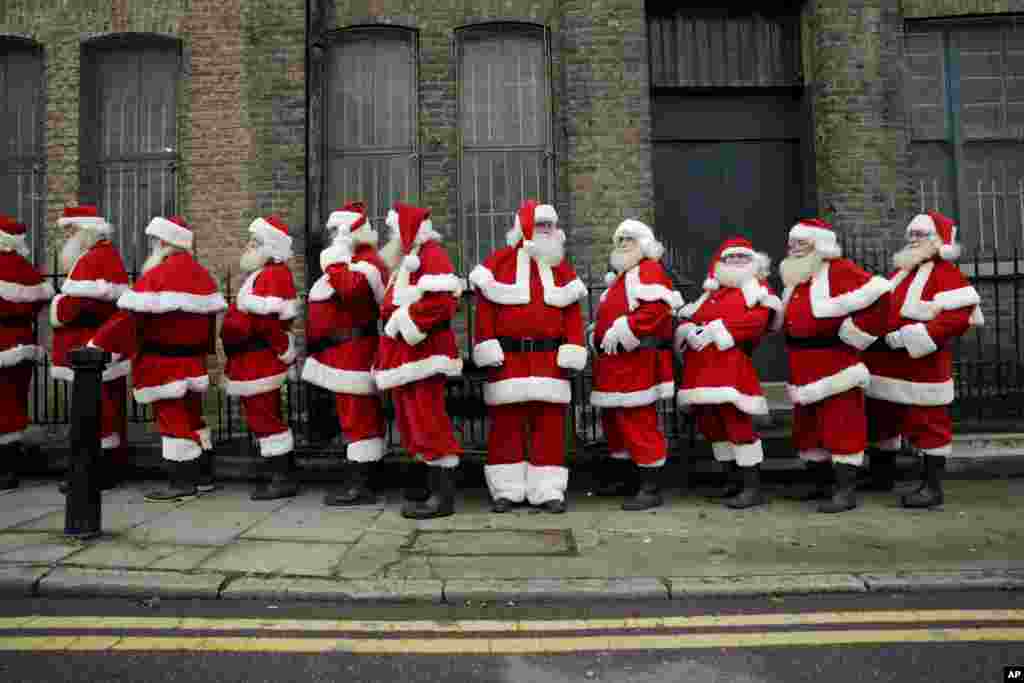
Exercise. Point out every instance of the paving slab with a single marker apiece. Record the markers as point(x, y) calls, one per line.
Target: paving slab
point(114, 517)
point(16, 515)
point(291, 588)
point(20, 580)
point(207, 524)
point(303, 522)
point(271, 557)
point(546, 589)
point(71, 582)
point(708, 586)
point(119, 553)
point(42, 553)
point(461, 543)
point(963, 580)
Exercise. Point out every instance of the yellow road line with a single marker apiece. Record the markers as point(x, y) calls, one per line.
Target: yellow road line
point(517, 626)
point(500, 646)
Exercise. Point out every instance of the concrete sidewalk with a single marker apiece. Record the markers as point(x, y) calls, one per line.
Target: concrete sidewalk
point(222, 545)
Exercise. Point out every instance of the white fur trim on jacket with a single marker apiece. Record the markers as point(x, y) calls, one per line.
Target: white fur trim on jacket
point(749, 454)
point(93, 223)
point(691, 308)
point(910, 393)
point(571, 357)
point(179, 450)
point(824, 305)
point(507, 481)
point(93, 289)
point(340, 251)
point(116, 370)
point(406, 294)
point(546, 482)
point(285, 309)
point(622, 330)
point(720, 335)
point(751, 405)
point(722, 451)
point(54, 305)
point(488, 354)
point(404, 325)
point(522, 389)
point(805, 394)
point(366, 450)
point(169, 232)
point(288, 357)
point(916, 309)
point(518, 292)
point(854, 336)
point(917, 340)
point(165, 302)
point(274, 445)
point(373, 278)
point(355, 382)
point(20, 354)
point(637, 291)
point(417, 370)
point(252, 387)
point(25, 294)
point(110, 441)
point(321, 289)
point(632, 399)
point(175, 389)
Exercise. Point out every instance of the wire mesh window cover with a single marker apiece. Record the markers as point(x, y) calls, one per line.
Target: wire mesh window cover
point(22, 130)
point(370, 120)
point(965, 92)
point(505, 123)
point(129, 141)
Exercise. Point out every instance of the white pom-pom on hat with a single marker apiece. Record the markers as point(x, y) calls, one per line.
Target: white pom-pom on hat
point(411, 263)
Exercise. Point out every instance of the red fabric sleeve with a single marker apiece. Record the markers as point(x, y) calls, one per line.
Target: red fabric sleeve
point(435, 308)
point(236, 328)
point(573, 319)
point(875, 318)
point(649, 318)
point(274, 331)
point(949, 325)
point(750, 326)
point(119, 334)
point(347, 283)
point(486, 314)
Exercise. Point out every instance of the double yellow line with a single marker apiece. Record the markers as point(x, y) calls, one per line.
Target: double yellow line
point(98, 633)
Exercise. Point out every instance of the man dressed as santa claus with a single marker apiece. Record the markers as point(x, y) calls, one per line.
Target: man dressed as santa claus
point(260, 348)
point(23, 293)
point(167, 326)
point(342, 339)
point(418, 351)
point(720, 331)
point(832, 310)
point(529, 331)
point(633, 368)
point(912, 365)
point(87, 299)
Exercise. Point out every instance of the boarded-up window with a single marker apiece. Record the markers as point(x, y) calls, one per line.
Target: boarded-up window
point(129, 134)
point(370, 120)
point(505, 124)
point(965, 92)
point(22, 126)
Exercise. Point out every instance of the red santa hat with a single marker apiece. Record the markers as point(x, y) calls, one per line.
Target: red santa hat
point(86, 217)
point(731, 247)
point(273, 233)
point(527, 216)
point(412, 223)
point(348, 219)
point(821, 233)
point(652, 248)
point(940, 227)
point(173, 230)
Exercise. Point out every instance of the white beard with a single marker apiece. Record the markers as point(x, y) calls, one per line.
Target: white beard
point(76, 245)
point(253, 259)
point(799, 269)
point(912, 255)
point(391, 254)
point(157, 256)
point(735, 276)
point(365, 235)
point(548, 250)
point(623, 260)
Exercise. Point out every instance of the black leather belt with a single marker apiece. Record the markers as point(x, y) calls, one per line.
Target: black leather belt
point(879, 345)
point(648, 343)
point(254, 344)
point(813, 342)
point(527, 345)
point(342, 337)
point(16, 322)
point(174, 351)
point(87, 320)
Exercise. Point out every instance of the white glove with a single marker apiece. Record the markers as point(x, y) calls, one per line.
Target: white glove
point(895, 340)
point(611, 341)
point(391, 327)
point(698, 338)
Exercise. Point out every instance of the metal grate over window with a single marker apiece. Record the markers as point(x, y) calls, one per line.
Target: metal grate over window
point(129, 134)
point(505, 127)
point(22, 134)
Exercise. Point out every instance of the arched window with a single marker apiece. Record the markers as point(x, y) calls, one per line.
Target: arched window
point(22, 134)
point(505, 125)
point(129, 135)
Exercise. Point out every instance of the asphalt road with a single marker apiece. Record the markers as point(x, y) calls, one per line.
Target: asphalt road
point(842, 639)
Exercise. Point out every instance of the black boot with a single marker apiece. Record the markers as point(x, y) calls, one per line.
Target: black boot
point(881, 471)
point(282, 483)
point(615, 477)
point(821, 483)
point(207, 482)
point(416, 486)
point(930, 493)
point(733, 480)
point(751, 493)
point(845, 495)
point(183, 479)
point(8, 466)
point(441, 501)
point(356, 490)
point(649, 494)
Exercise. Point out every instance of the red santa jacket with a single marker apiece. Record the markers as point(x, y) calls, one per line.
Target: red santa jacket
point(346, 298)
point(167, 326)
point(828, 321)
point(417, 310)
point(88, 299)
point(639, 305)
point(736, 319)
point(931, 306)
point(520, 298)
point(255, 332)
point(23, 293)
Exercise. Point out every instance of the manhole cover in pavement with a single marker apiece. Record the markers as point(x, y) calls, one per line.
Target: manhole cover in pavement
point(497, 542)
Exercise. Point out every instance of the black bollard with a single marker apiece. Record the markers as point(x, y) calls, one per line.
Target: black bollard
point(82, 506)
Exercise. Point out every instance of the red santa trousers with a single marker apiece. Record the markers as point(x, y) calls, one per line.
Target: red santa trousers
point(113, 419)
point(14, 384)
point(834, 428)
point(535, 429)
point(425, 429)
point(635, 431)
point(363, 424)
point(180, 422)
point(730, 432)
point(928, 428)
point(263, 414)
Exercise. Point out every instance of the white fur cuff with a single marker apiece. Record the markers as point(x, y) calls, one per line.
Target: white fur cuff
point(854, 336)
point(572, 357)
point(288, 357)
point(682, 332)
point(488, 354)
point(749, 454)
point(403, 321)
point(917, 340)
point(54, 318)
point(720, 334)
point(625, 335)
